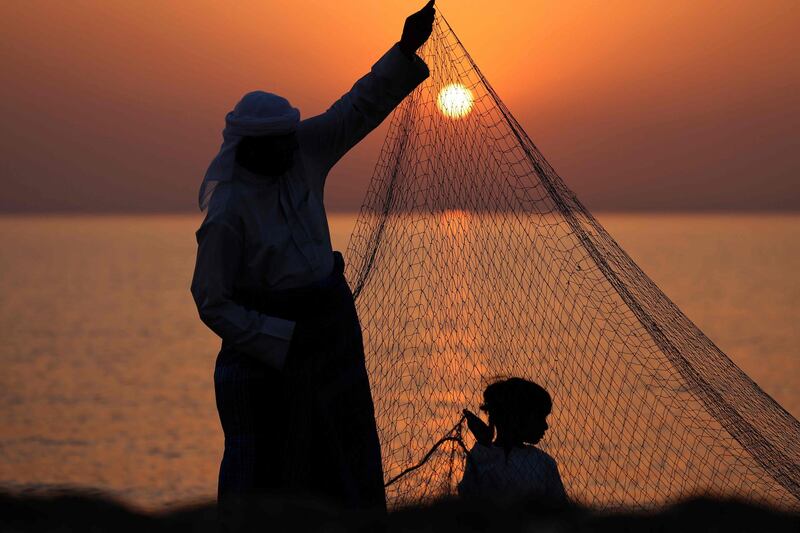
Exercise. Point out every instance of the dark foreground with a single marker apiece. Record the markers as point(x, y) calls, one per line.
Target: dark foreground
point(82, 511)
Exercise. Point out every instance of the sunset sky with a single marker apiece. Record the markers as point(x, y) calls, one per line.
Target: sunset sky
point(113, 105)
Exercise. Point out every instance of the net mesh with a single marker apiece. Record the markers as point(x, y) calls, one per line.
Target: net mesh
point(472, 259)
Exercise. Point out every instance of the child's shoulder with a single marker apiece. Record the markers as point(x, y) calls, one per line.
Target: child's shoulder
point(527, 452)
point(485, 451)
point(537, 454)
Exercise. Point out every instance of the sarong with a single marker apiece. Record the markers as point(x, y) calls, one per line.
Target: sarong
point(308, 429)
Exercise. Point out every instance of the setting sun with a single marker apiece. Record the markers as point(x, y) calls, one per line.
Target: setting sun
point(455, 100)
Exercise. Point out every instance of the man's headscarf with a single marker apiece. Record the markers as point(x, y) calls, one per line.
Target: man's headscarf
point(258, 113)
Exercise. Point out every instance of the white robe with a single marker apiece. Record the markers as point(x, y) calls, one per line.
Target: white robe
point(271, 234)
point(525, 471)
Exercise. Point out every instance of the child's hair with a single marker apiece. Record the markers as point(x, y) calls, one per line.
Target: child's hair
point(508, 401)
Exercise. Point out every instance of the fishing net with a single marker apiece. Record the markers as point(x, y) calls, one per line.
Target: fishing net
point(472, 259)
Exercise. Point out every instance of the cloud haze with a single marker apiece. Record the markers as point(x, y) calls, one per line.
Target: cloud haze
point(118, 106)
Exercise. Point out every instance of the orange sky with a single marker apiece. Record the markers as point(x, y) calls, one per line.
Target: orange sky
point(116, 105)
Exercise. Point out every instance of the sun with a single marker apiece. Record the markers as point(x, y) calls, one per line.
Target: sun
point(455, 101)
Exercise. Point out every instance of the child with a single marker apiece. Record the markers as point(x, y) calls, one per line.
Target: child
point(511, 465)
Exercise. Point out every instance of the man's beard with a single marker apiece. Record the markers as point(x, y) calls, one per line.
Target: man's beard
point(270, 165)
point(267, 156)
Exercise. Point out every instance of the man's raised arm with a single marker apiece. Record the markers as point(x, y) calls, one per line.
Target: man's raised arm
point(331, 134)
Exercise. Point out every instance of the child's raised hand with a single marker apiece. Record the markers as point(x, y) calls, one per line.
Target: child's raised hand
point(482, 432)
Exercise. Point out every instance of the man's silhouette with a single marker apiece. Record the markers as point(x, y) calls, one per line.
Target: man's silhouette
point(291, 385)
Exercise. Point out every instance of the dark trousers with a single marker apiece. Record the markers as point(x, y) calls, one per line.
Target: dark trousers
point(308, 429)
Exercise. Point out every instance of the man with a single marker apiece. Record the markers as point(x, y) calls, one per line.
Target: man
point(291, 386)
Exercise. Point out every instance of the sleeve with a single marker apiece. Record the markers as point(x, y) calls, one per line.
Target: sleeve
point(469, 486)
point(219, 248)
point(555, 487)
point(330, 135)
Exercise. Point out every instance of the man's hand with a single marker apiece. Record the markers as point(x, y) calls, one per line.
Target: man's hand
point(417, 29)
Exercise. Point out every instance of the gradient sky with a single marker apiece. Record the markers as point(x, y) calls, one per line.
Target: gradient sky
point(666, 105)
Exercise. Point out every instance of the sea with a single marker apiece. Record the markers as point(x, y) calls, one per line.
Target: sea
point(107, 371)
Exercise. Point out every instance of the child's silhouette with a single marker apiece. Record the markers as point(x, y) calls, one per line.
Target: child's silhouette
point(509, 463)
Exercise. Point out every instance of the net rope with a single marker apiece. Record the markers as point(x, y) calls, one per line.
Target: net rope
point(472, 259)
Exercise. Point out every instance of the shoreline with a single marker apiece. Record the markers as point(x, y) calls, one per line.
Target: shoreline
point(71, 509)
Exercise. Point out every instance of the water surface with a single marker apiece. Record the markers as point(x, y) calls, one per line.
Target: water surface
point(107, 377)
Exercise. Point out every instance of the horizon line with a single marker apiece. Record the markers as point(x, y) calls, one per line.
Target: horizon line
point(637, 211)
